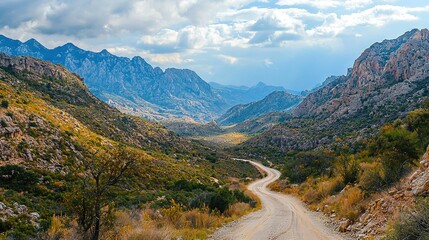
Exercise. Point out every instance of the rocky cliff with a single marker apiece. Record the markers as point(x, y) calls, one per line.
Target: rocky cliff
point(383, 74)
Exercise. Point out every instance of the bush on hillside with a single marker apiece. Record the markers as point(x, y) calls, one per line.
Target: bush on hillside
point(397, 149)
point(17, 178)
point(413, 224)
point(4, 104)
point(298, 167)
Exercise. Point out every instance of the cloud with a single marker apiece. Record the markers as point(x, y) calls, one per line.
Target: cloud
point(376, 16)
point(268, 62)
point(321, 4)
point(228, 59)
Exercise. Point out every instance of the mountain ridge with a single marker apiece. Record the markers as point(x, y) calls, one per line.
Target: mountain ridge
point(277, 101)
point(113, 78)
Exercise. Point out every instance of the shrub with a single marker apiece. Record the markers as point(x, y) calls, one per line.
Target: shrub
point(196, 219)
point(413, 224)
point(17, 178)
point(397, 149)
point(370, 178)
point(3, 123)
point(348, 203)
point(418, 121)
point(221, 200)
point(237, 209)
point(348, 168)
point(152, 233)
point(298, 167)
point(4, 104)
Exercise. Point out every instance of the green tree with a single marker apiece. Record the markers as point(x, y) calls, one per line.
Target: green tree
point(91, 199)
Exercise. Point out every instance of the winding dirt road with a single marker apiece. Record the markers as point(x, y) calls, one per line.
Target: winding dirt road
point(281, 217)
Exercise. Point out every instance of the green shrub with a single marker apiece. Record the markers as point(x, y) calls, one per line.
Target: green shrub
point(418, 121)
point(4, 226)
point(298, 167)
point(17, 178)
point(3, 123)
point(397, 149)
point(221, 200)
point(4, 104)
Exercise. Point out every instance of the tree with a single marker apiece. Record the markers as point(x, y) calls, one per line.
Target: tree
point(92, 199)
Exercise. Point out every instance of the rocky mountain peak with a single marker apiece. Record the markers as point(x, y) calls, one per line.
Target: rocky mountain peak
point(387, 70)
point(392, 58)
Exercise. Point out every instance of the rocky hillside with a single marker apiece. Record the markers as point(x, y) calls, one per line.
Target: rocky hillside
point(391, 203)
point(279, 101)
point(388, 80)
point(132, 85)
point(67, 91)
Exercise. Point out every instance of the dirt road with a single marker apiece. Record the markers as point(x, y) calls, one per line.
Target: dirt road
point(281, 217)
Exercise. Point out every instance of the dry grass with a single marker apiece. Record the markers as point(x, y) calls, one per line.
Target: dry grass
point(347, 204)
point(237, 210)
point(227, 139)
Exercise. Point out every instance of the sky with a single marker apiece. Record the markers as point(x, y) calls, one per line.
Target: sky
point(290, 43)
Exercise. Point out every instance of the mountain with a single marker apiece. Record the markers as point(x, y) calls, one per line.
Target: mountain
point(388, 80)
point(278, 101)
point(235, 95)
point(131, 85)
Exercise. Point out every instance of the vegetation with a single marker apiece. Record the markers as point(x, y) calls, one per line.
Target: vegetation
point(4, 104)
point(413, 224)
point(82, 167)
point(340, 180)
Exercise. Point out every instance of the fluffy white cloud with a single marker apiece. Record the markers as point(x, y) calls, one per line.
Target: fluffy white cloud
point(376, 16)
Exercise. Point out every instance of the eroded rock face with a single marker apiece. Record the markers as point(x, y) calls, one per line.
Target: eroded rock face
point(381, 75)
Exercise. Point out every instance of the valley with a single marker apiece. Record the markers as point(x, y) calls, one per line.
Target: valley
point(120, 140)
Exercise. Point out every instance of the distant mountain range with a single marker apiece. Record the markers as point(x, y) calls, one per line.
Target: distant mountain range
point(135, 87)
point(235, 95)
point(132, 85)
point(278, 101)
